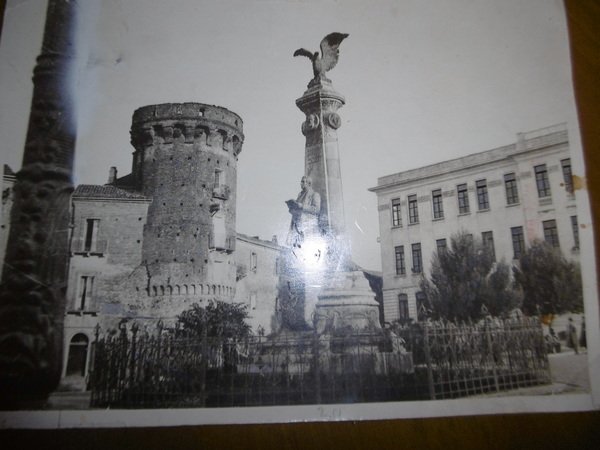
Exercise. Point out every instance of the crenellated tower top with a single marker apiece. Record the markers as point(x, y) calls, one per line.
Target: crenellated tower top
point(169, 122)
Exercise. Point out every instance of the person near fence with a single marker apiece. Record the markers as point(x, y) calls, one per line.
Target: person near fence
point(572, 340)
point(553, 341)
point(582, 338)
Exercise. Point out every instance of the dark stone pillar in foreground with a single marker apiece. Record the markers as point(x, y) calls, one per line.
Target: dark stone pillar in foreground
point(34, 278)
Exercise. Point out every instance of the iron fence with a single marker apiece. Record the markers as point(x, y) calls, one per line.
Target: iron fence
point(464, 359)
point(137, 369)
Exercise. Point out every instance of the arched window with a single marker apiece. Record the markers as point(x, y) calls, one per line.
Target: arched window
point(77, 359)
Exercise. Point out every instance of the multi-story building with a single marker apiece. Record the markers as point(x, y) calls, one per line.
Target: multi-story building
point(106, 244)
point(507, 197)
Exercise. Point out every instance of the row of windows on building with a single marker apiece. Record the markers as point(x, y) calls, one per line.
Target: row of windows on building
point(487, 237)
point(483, 200)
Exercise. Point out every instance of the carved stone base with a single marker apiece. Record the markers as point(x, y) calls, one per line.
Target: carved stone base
point(346, 302)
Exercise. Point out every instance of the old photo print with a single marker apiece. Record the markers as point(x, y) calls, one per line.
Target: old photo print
point(265, 211)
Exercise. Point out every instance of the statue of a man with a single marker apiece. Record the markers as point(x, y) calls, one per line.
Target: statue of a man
point(305, 212)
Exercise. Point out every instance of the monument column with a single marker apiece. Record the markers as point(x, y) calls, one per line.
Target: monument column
point(336, 293)
point(320, 103)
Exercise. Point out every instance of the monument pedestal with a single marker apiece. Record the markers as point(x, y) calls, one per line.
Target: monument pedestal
point(346, 302)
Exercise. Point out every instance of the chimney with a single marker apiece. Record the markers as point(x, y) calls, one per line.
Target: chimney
point(112, 175)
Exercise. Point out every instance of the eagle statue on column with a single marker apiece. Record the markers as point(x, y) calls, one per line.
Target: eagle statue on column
point(329, 55)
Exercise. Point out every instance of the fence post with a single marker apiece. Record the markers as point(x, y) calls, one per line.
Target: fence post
point(122, 362)
point(157, 370)
point(134, 330)
point(204, 363)
point(92, 373)
point(488, 336)
point(428, 360)
point(316, 367)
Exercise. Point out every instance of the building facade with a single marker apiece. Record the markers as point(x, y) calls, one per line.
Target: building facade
point(507, 197)
point(107, 232)
point(259, 268)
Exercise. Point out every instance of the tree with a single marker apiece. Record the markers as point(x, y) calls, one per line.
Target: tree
point(217, 319)
point(550, 283)
point(464, 278)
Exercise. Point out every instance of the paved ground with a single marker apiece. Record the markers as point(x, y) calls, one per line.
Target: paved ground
point(570, 369)
point(69, 400)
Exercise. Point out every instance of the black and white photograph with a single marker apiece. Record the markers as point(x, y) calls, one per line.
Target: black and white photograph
point(247, 211)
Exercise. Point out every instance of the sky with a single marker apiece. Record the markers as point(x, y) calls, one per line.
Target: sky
point(423, 82)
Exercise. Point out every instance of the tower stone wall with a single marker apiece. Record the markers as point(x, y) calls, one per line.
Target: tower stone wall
point(185, 160)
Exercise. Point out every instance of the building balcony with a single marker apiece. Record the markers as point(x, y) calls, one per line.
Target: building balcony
point(81, 312)
point(96, 248)
point(221, 191)
point(220, 244)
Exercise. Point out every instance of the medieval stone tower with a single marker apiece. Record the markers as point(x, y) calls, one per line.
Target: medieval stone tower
point(185, 160)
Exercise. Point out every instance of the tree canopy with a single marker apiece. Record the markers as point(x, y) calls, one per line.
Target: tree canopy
point(550, 283)
point(464, 277)
point(217, 319)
